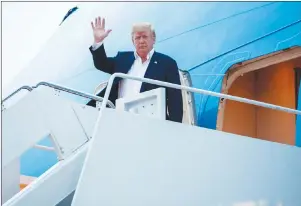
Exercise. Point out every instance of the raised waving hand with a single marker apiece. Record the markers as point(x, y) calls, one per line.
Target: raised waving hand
point(99, 31)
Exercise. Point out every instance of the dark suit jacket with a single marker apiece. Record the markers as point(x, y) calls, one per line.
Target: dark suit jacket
point(165, 69)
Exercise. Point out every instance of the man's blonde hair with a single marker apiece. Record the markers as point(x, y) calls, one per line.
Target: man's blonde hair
point(142, 27)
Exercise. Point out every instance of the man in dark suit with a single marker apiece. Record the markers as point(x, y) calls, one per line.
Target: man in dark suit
point(144, 62)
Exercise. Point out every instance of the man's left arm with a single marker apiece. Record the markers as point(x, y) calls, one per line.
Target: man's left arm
point(174, 96)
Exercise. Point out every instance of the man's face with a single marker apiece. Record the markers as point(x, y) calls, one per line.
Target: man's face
point(143, 41)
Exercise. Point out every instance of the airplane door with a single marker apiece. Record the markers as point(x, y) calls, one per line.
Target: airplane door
point(298, 104)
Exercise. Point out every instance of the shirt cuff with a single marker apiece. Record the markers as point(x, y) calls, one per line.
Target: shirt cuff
point(96, 45)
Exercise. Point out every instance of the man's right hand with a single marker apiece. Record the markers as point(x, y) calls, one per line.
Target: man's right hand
point(99, 31)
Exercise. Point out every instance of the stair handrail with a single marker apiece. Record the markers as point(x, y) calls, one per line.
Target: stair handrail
point(76, 92)
point(16, 91)
point(62, 88)
point(192, 89)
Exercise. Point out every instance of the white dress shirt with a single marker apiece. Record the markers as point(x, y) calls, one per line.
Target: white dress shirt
point(128, 87)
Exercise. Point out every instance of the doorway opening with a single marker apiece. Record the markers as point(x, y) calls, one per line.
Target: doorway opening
point(273, 79)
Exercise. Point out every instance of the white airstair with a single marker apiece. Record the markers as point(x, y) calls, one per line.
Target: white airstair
point(39, 113)
point(122, 156)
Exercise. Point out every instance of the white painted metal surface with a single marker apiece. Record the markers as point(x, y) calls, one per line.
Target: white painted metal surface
point(87, 116)
point(100, 87)
point(54, 185)
point(22, 127)
point(150, 103)
point(146, 161)
point(10, 184)
point(42, 112)
point(63, 122)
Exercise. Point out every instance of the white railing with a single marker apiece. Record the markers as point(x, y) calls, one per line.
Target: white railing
point(191, 89)
point(28, 88)
point(72, 91)
point(61, 88)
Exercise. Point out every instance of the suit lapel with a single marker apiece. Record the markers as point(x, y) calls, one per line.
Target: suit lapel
point(150, 71)
point(126, 66)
